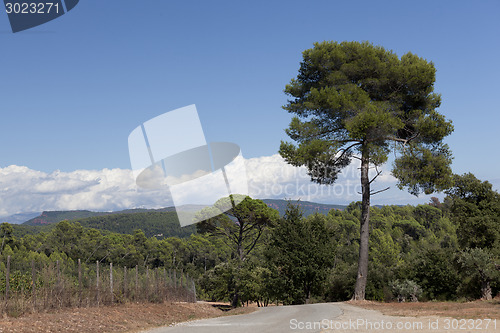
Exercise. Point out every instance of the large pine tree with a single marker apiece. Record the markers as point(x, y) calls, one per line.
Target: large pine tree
point(355, 100)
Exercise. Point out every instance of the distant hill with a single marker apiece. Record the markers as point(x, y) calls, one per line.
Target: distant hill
point(154, 222)
point(161, 224)
point(49, 217)
point(307, 207)
point(164, 222)
point(19, 218)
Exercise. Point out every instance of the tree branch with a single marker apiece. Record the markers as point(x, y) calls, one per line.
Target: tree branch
point(345, 150)
point(404, 141)
point(250, 248)
point(378, 174)
point(385, 189)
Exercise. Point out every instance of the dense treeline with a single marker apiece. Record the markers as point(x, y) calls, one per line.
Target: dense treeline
point(443, 251)
point(70, 241)
point(158, 224)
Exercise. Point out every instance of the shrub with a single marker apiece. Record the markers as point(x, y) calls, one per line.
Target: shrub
point(406, 289)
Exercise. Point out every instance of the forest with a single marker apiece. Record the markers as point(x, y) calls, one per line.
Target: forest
point(437, 251)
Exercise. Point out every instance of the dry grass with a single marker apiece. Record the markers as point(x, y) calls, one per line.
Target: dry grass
point(130, 317)
point(466, 310)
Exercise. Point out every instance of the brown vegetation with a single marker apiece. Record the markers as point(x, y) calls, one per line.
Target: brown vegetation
point(58, 285)
point(466, 310)
point(130, 317)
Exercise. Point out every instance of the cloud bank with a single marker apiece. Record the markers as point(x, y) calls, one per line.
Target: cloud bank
point(25, 190)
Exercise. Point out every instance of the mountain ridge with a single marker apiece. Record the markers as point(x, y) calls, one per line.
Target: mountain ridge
point(49, 217)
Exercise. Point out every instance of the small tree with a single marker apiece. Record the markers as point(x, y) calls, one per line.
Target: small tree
point(300, 252)
point(481, 263)
point(6, 231)
point(240, 227)
point(358, 101)
point(406, 289)
point(475, 209)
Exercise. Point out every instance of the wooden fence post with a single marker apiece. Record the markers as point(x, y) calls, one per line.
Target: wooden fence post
point(124, 282)
point(97, 281)
point(7, 283)
point(7, 279)
point(187, 288)
point(79, 283)
point(157, 276)
point(58, 283)
point(111, 282)
point(164, 284)
point(33, 284)
point(147, 284)
point(136, 282)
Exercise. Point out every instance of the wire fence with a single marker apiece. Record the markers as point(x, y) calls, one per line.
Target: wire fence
point(59, 284)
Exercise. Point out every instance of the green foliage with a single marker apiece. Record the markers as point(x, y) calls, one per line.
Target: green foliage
point(18, 282)
point(411, 228)
point(478, 261)
point(423, 169)
point(433, 267)
point(383, 250)
point(340, 281)
point(219, 282)
point(295, 258)
point(300, 252)
point(352, 97)
point(240, 226)
point(475, 209)
point(158, 224)
point(6, 232)
point(480, 264)
point(258, 285)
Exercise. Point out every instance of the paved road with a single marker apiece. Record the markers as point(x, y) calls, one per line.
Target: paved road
point(329, 317)
point(265, 320)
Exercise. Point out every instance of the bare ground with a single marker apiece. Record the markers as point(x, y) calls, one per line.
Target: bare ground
point(379, 317)
point(466, 310)
point(131, 317)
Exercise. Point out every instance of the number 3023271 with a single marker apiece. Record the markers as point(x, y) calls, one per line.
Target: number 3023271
point(470, 324)
point(31, 7)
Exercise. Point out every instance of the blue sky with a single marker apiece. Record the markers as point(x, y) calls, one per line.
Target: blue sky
point(74, 88)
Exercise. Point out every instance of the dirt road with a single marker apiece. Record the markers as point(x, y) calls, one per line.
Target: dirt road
point(327, 317)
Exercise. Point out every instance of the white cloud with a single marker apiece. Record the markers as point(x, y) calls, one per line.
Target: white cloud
point(26, 190)
point(272, 177)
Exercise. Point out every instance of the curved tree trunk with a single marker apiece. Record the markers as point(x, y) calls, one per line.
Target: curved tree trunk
point(486, 290)
point(359, 290)
point(241, 257)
